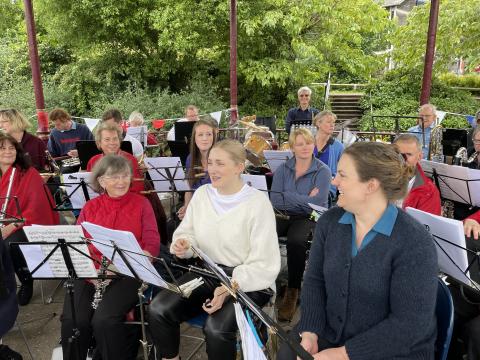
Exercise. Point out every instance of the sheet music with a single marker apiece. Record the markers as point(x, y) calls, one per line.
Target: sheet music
point(139, 132)
point(250, 347)
point(259, 182)
point(474, 185)
point(157, 169)
point(74, 189)
point(275, 158)
point(451, 230)
point(55, 266)
point(452, 180)
point(125, 240)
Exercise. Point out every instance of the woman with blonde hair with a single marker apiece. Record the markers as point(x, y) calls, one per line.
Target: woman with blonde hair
point(234, 225)
point(15, 124)
point(301, 180)
point(370, 288)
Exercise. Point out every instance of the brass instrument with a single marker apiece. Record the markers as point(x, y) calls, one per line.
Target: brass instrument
point(473, 157)
point(54, 168)
point(461, 158)
point(435, 148)
point(100, 285)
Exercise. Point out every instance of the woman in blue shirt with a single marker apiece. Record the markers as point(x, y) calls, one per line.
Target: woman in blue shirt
point(204, 135)
point(327, 148)
point(301, 180)
point(370, 288)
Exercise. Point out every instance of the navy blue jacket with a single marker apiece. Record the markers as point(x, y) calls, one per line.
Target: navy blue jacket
point(380, 304)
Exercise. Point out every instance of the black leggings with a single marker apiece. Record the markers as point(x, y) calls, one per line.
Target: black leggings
point(297, 229)
point(114, 340)
point(168, 310)
point(18, 261)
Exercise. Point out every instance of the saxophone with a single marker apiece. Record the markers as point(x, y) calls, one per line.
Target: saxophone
point(460, 157)
point(100, 285)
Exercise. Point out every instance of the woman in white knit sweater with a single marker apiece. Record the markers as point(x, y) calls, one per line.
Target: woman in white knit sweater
point(234, 224)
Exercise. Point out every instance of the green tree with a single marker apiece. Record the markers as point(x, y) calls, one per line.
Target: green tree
point(457, 36)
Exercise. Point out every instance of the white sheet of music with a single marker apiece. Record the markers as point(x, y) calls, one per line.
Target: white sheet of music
point(259, 182)
point(139, 132)
point(251, 349)
point(452, 180)
point(74, 189)
point(126, 241)
point(275, 158)
point(55, 266)
point(456, 263)
point(157, 168)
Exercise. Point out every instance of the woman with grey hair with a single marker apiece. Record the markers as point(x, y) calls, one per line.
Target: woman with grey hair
point(116, 208)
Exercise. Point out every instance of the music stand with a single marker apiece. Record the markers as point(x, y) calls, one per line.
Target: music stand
point(451, 246)
point(167, 176)
point(452, 140)
point(122, 248)
point(240, 296)
point(455, 183)
point(258, 182)
point(179, 149)
point(183, 130)
point(77, 191)
point(64, 258)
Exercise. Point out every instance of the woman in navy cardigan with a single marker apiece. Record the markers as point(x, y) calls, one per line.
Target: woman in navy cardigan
point(369, 291)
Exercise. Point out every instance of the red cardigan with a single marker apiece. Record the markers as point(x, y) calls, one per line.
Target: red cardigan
point(137, 185)
point(424, 195)
point(35, 201)
point(130, 212)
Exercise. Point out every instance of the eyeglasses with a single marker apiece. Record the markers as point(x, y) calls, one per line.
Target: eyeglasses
point(475, 141)
point(119, 177)
point(303, 95)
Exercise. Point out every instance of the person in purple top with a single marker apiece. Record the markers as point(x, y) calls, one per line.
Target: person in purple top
point(204, 135)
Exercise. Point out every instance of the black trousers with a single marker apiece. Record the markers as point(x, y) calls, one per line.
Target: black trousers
point(168, 310)
point(466, 325)
point(286, 353)
point(114, 339)
point(297, 229)
point(18, 261)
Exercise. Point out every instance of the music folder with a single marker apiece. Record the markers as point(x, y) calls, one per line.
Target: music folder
point(450, 243)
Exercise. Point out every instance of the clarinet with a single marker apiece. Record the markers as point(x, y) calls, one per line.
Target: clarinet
point(9, 190)
point(100, 285)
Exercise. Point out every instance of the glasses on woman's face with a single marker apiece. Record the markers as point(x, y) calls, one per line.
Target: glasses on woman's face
point(476, 141)
point(117, 177)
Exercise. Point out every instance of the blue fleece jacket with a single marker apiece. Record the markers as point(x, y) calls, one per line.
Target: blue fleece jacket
point(292, 195)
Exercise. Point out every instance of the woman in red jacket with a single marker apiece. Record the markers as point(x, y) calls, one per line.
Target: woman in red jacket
point(34, 205)
point(108, 138)
point(119, 209)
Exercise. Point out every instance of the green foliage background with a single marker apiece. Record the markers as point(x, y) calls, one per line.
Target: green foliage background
point(156, 56)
